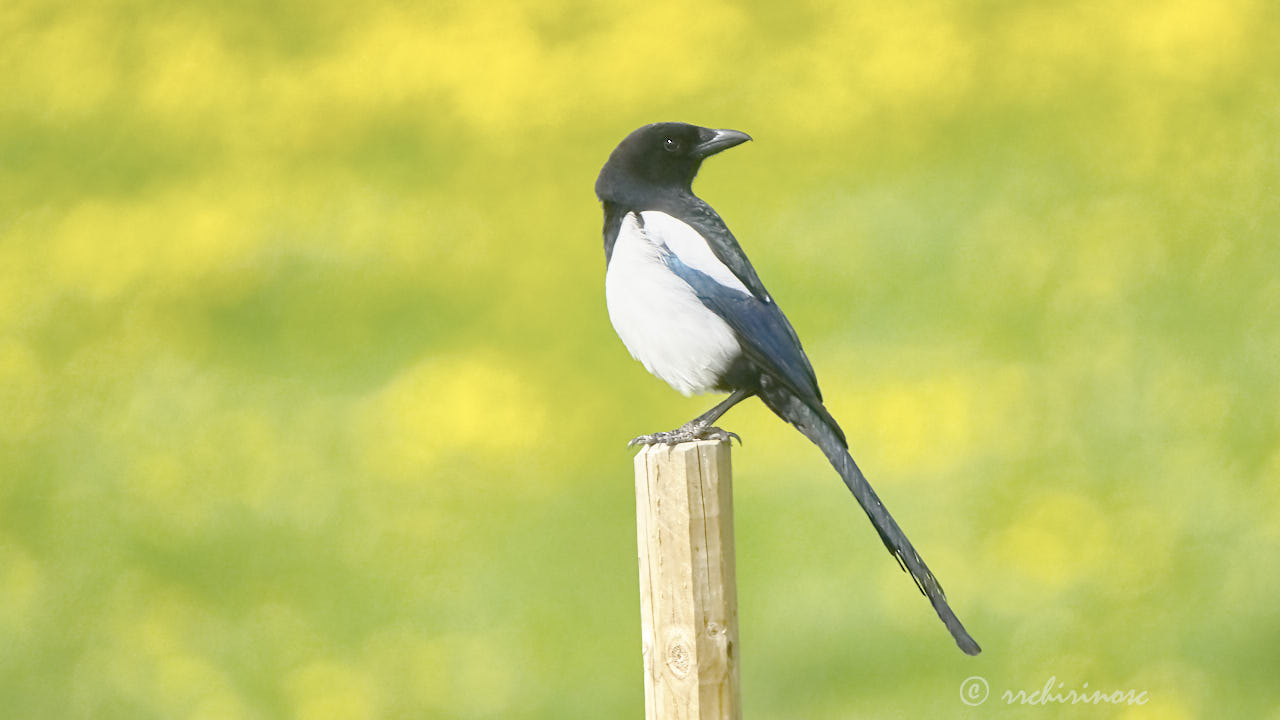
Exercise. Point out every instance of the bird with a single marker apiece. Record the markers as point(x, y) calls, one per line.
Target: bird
point(687, 303)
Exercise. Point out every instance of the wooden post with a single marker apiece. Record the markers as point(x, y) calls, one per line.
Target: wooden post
point(688, 593)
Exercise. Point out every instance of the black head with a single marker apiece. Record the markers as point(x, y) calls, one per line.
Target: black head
point(662, 157)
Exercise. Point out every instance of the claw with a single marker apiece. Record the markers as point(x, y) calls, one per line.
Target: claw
point(715, 433)
point(685, 434)
point(668, 437)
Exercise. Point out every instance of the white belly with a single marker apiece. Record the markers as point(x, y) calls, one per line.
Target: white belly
point(657, 315)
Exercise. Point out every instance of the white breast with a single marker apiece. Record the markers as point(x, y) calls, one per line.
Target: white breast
point(659, 318)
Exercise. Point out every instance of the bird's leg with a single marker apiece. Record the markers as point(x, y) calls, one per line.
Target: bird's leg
point(699, 428)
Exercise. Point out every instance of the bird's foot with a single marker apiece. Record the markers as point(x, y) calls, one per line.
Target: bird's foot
point(685, 433)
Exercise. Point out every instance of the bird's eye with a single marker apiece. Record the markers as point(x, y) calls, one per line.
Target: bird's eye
point(671, 145)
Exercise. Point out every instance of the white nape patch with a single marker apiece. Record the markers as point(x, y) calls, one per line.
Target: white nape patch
point(688, 245)
point(657, 315)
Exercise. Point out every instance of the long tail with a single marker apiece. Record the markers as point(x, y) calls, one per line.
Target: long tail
point(818, 425)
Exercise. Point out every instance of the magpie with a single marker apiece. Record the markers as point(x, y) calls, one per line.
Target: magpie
point(689, 306)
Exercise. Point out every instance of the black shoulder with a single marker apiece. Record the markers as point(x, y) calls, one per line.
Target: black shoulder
point(613, 214)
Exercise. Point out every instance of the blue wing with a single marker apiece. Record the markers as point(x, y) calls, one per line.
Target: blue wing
point(762, 329)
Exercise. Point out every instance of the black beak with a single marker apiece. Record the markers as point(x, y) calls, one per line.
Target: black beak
point(713, 141)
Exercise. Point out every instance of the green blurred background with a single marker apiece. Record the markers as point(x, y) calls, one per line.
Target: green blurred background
point(311, 408)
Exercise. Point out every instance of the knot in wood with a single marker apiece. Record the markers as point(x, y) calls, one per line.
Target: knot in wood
point(679, 656)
